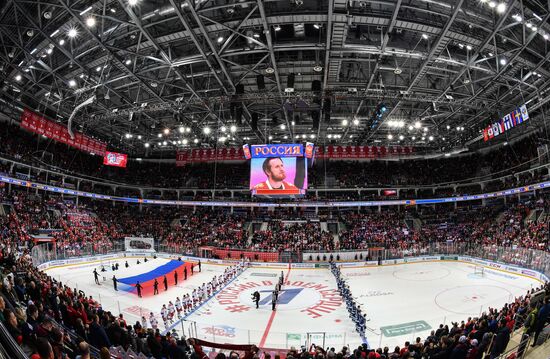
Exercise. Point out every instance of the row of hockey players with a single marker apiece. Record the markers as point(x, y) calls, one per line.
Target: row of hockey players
point(356, 314)
point(199, 295)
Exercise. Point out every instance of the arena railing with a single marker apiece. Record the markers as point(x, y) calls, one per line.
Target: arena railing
point(479, 180)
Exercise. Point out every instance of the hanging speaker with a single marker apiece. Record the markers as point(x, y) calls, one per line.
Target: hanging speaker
point(239, 89)
point(254, 122)
point(316, 86)
point(260, 82)
point(239, 115)
point(290, 81)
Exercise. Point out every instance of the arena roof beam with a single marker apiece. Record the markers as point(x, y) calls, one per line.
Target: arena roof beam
point(191, 32)
point(166, 58)
point(502, 70)
point(385, 41)
point(267, 33)
point(420, 73)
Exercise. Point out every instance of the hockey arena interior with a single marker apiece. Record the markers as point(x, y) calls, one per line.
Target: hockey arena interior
point(274, 179)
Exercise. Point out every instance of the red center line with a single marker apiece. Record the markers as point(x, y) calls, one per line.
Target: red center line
point(270, 321)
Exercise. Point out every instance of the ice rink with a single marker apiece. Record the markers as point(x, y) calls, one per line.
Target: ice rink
point(401, 301)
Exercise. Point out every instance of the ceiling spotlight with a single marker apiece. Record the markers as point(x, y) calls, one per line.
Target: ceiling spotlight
point(501, 8)
point(90, 21)
point(282, 126)
point(401, 137)
point(317, 26)
point(425, 129)
point(448, 127)
point(159, 135)
point(355, 121)
point(196, 140)
point(166, 131)
point(461, 46)
point(503, 61)
point(545, 36)
point(344, 122)
point(139, 137)
point(411, 127)
point(128, 135)
point(132, 2)
point(517, 17)
point(47, 15)
point(18, 77)
point(329, 136)
point(256, 35)
point(223, 129)
point(458, 128)
point(220, 39)
point(492, 4)
point(146, 145)
point(160, 143)
point(468, 47)
point(390, 136)
point(98, 68)
point(233, 128)
point(534, 28)
point(269, 70)
point(270, 137)
point(113, 10)
point(49, 51)
point(431, 138)
point(277, 27)
point(417, 124)
point(72, 83)
point(206, 130)
point(181, 129)
point(425, 36)
point(285, 137)
point(188, 129)
point(72, 33)
point(164, 143)
point(30, 33)
point(317, 68)
point(128, 61)
point(413, 138)
point(184, 141)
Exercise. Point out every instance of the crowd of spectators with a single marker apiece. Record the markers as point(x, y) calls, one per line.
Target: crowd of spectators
point(49, 318)
point(506, 160)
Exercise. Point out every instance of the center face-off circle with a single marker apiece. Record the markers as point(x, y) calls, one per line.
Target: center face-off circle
point(290, 297)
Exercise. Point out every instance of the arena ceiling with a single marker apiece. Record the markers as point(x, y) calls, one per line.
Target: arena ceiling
point(261, 71)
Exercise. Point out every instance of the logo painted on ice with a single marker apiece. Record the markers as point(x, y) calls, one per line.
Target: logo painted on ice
point(220, 330)
point(313, 299)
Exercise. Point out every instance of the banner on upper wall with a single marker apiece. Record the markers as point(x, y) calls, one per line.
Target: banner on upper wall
point(193, 155)
point(361, 152)
point(511, 120)
point(36, 123)
point(115, 159)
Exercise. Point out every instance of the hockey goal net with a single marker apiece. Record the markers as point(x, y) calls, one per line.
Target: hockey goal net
point(478, 270)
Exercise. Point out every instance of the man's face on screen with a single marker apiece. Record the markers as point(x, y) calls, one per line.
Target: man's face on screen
point(276, 170)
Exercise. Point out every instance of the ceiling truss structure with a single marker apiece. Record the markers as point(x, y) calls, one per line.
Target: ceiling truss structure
point(451, 66)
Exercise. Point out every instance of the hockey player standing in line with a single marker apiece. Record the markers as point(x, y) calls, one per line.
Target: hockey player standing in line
point(256, 298)
point(273, 300)
point(96, 277)
point(114, 283)
point(165, 280)
point(156, 287)
point(138, 287)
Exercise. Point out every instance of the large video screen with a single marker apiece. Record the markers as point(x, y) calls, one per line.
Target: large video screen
point(278, 171)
